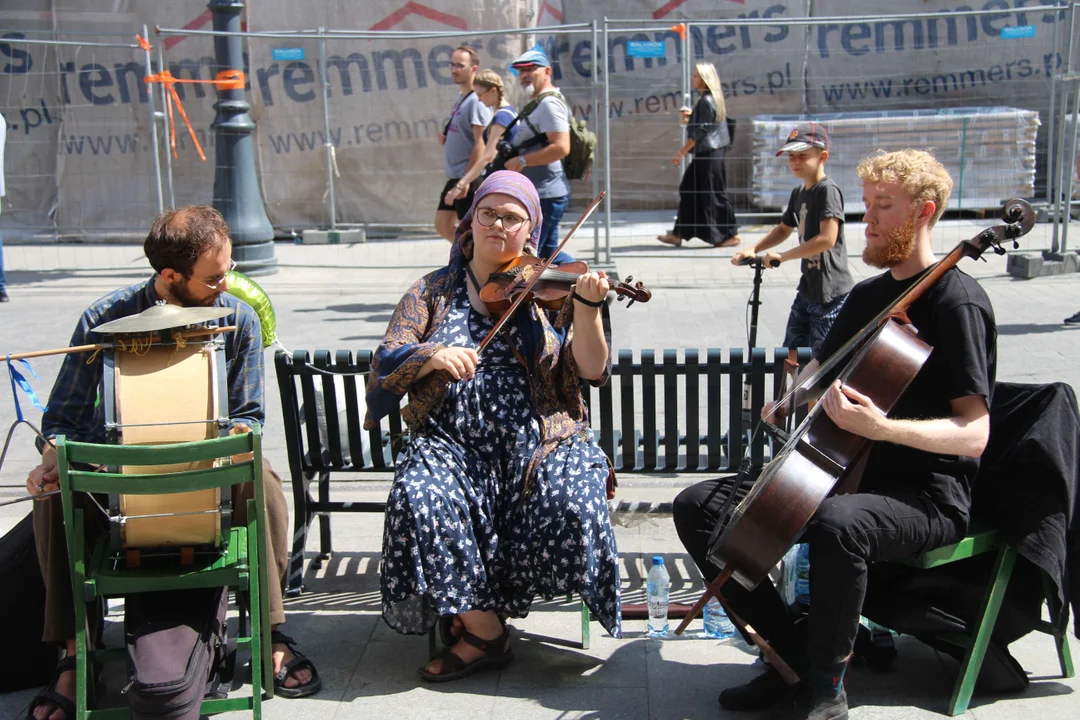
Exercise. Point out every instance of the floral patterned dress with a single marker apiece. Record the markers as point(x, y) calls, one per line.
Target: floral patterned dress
point(460, 531)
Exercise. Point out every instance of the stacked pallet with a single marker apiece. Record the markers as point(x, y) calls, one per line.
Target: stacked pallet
point(989, 151)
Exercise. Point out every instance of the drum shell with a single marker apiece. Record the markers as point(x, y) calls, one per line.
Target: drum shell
point(161, 396)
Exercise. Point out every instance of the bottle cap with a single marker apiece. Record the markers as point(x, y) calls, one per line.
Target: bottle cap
point(657, 559)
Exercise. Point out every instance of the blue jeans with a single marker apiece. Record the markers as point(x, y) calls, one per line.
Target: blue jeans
point(809, 323)
point(553, 209)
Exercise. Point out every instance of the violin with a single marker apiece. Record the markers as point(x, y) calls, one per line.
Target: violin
point(555, 284)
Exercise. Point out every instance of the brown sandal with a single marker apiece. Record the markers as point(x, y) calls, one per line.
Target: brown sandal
point(498, 655)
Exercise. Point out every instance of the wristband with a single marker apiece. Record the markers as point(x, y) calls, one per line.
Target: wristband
point(590, 303)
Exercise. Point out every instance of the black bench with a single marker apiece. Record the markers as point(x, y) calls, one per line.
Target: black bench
point(691, 420)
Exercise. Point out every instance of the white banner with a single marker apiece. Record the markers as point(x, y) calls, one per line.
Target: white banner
point(79, 150)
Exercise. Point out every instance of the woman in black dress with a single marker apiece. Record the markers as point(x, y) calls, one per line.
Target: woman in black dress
point(704, 209)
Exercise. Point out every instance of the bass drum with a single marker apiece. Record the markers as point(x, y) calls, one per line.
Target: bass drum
point(168, 395)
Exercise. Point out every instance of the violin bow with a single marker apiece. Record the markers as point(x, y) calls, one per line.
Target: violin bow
point(536, 276)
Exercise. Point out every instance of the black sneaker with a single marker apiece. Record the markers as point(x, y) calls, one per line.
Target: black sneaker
point(761, 693)
point(810, 704)
point(1073, 319)
point(4, 297)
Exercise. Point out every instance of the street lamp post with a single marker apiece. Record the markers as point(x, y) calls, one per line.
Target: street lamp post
point(236, 187)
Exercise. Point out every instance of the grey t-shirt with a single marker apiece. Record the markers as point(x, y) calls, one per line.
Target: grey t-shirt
point(468, 111)
point(551, 115)
point(825, 277)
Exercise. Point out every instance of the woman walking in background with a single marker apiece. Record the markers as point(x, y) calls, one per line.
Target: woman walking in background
point(489, 88)
point(704, 209)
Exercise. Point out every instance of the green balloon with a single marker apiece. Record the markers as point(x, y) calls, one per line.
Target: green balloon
point(243, 287)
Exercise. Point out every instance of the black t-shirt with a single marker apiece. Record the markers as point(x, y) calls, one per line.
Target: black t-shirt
point(956, 319)
point(824, 276)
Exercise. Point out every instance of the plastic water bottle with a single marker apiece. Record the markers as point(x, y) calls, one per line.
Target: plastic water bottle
point(658, 586)
point(717, 623)
point(802, 576)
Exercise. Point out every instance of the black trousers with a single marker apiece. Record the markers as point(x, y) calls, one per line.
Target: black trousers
point(847, 534)
point(704, 209)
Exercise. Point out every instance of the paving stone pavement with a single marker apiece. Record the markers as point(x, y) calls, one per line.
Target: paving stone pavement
point(340, 297)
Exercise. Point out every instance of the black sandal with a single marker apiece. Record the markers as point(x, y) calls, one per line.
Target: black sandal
point(49, 696)
point(446, 630)
point(299, 661)
point(498, 655)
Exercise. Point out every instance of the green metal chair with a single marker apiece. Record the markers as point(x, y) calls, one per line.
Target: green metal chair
point(239, 564)
point(980, 540)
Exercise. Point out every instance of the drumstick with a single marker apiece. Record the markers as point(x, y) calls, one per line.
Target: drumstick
point(101, 346)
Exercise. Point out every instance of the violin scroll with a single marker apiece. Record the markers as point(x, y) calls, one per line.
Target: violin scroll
point(637, 292)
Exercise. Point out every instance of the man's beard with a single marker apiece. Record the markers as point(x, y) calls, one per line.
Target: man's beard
point(180, 292)
point(899, 244)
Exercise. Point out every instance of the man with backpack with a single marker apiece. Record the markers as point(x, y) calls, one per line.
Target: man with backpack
point(542, 142)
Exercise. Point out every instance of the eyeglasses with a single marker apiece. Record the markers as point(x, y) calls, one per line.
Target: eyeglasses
point(510, 222)
point(221, 282)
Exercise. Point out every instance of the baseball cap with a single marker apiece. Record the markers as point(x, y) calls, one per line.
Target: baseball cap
point(534, 56)
point(804, 137)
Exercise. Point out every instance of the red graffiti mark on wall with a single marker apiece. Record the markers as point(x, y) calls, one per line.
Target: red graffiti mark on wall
point(672, 5)
point(414, 8)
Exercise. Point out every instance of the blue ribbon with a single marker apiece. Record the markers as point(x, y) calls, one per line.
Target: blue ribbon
point(17, 382)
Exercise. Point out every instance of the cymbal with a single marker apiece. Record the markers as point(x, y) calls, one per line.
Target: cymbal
point(162, 316)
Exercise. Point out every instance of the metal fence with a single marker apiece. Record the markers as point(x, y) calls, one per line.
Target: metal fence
point(80, 124)
point(347, 119)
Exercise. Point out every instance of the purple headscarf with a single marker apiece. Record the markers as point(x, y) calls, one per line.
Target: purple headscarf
point(517, 186)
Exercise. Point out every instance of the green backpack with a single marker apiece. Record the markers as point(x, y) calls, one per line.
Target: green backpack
point(582, 140)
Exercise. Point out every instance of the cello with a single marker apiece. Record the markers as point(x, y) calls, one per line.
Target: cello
point(885, 356)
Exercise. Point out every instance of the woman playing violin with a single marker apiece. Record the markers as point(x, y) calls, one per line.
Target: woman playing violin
point(500, 493)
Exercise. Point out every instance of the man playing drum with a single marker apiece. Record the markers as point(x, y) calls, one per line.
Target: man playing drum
point(916, 489)
point(190, 250)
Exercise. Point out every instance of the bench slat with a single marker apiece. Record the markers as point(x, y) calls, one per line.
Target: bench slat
point(330, 408)
point(693, 432)
point(670, 372)
point(736, 370)
point(626, 397)
point(713, 361)
point(757, 399)
point(648, 408)
point(343, 363)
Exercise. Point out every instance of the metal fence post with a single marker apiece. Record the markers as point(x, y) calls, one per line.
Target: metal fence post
point(153, 122)
point(607, 147)
point(167, 125)
point(1064, 168)
point(331, 160)
point(596, 120)
point(1051, 163)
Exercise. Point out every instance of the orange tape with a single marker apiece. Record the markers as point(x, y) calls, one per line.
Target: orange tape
point(143, 42)
point(224, 80)
point(680, 29)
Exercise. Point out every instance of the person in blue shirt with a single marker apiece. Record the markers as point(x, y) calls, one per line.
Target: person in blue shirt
point(488, 86)
point(190, 250)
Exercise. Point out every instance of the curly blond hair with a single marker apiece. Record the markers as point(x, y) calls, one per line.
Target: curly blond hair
point(917, 171)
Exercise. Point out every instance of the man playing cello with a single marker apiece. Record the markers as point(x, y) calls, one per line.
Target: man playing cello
point(915, 493)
